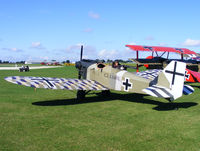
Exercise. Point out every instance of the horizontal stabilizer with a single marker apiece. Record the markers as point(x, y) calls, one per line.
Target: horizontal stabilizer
point(170, 82)
point(56, 83)
point(158, 91)
point(187, 89)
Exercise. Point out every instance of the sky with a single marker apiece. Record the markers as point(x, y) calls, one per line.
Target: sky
point(38, 30)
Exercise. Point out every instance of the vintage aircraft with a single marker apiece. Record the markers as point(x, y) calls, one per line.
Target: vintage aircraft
point(158, 61)
point(167, 83)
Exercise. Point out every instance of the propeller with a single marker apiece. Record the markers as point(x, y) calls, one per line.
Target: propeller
point(81, 57)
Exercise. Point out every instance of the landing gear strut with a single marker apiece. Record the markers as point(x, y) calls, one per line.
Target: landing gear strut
point(174, 105)
point(80, 94)
point(105, 93)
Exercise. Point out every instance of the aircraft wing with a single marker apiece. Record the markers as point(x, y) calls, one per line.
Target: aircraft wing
point(149, 74)
point(161, 49)
point(56, 83)
point(147, 61)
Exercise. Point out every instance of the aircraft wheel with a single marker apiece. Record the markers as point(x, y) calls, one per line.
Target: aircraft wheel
point(80, 94)
point(105, 93)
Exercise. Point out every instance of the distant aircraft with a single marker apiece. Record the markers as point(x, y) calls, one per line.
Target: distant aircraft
point(158, 60)
point(167, 83)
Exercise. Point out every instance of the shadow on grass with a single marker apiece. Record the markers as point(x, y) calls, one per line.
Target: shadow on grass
point(196, 86)
point(135, 98)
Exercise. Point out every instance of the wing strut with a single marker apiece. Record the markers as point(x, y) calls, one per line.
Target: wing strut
point(137, 59)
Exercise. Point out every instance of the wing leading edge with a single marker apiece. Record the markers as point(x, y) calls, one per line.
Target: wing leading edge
point(159, 48)
point(56, 83)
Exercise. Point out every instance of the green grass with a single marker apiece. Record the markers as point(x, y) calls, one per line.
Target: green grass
point(52, 120)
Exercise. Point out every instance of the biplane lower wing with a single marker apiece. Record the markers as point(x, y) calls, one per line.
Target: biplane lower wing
point(147, 61)
point(56, 83)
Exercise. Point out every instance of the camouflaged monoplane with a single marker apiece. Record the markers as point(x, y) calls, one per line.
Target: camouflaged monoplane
point(167, 83)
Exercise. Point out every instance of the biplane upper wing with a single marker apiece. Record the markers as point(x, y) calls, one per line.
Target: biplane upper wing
point(56, 83)
point(161, 49)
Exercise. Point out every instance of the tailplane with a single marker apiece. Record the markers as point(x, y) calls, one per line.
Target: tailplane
point(170, 82)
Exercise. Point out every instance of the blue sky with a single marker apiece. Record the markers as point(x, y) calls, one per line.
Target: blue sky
point(54, 29)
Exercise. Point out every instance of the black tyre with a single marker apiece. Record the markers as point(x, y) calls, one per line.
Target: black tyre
point(80, 94)
point(105, 93)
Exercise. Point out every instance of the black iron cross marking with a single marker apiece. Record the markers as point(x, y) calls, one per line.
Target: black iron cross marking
point(179, 49)
point(187, 75)
point(153, 73)
point(126, 84)
point(146, 47)
point(174, 73)
point(49, 84)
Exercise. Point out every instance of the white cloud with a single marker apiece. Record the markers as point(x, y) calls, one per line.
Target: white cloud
point(12, 49)
point(131, 43)
point(86, 48)
point(44, 57)
point(37, 45)
point(71, 48)
point(108, 54)
point(73, 51)
point(191, 42)
point(93, 15)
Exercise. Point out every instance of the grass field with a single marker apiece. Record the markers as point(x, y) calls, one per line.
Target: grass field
point(48, 120)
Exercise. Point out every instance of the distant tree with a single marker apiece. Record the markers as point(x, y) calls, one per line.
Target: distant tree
point(5, 61)
point(67, 61)
point(0, 61)
point(120, 60)
point(21, 62)
point(108, 61)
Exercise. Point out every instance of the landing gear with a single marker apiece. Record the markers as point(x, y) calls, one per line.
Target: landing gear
point(80, 95)
point(173, 105)
point(105, 93)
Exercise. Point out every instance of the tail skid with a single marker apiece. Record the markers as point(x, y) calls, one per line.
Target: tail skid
point(170, 82)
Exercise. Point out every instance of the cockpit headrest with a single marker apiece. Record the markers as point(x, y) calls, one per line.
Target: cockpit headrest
point(101, 65)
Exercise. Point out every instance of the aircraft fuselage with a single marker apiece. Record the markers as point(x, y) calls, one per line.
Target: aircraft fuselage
point(117, 79)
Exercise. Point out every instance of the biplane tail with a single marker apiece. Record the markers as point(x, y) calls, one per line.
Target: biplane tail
point(170, 82)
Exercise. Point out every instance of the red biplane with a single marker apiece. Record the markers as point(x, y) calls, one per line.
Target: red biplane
point(158, 62)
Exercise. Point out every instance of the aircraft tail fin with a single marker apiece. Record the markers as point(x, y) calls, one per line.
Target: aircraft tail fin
point(170, 82)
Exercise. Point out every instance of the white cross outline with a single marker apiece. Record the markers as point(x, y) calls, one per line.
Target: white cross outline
point(128, 87)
